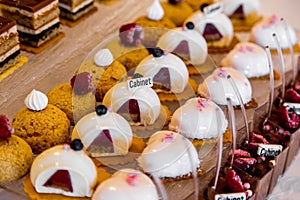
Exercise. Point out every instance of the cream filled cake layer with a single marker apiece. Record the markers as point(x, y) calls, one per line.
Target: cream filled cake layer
point(9, 53)
point(8, 44)
point(33, 20)
point(39, 30)
point(74, 6)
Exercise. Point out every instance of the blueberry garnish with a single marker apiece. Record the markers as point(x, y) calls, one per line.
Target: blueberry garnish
point(101, 110)
point(76, 145)
point(190, 25)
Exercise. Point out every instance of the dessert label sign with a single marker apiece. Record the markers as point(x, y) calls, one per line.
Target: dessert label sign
point(269, 150)
point(231, 196)
point(293, 107)
point(139, 82)
point(213, 9)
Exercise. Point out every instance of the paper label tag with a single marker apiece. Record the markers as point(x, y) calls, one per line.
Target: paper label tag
point(269, 150)
point(213, 9)
point(293, 107)
point(139, 82)
point(231, 196)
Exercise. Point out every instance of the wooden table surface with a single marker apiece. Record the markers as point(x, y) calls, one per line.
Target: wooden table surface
point(58, 63)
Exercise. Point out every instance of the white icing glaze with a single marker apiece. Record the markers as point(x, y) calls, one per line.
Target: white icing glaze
point(171, 158)
point(196, 43)
point(155, 12)
point(248, 58)
point(118, 187)
point(81, 168)
point(218, 88)
point(262, 33)
point(220, 21)
point(249, 6)
point(103, 58)
point(179, 75)
point(197, 119)
point(148, 101)
point(91, 125)
point(36, 100)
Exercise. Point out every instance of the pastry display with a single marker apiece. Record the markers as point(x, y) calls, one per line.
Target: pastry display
point(15, 154)
point(64, 176)
point(169, 155)
point(10, 48)
point(154, 24)
point(72, 10)
point(217, 87)
point(38, 22)
point(243, 13)
point(75, 98)
point(186, 43)
point(215, 26)
point(104, 133)
point(145, 107)
point(177, 11)
point(127, 184)
point(248, 58)
point(262, 33)
point(40, 124)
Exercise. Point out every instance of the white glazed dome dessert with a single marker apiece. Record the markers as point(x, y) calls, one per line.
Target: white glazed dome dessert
point(126, 184)
point(166, 69)
point(218, 88)
point(169, 155)
point(104, 133)
point(185, 42)
point(199, 118)
point(262, 33)
point(214, 25)
point(138, 105)
point(248, 58)
point(64, 170)
point(241, 8)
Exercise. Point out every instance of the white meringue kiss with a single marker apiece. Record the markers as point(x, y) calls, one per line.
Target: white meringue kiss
point(155, 11)
point(103, 58)
point(36, 100)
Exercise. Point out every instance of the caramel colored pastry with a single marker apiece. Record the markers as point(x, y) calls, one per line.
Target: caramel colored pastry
point(15, 154)
point(40, 124)
point(131, 59)
point(196, 4)
point(109, 78)
point(177, 12)
point(9, 45)
point(154, 29)
point(76, 98)
point(38, 21)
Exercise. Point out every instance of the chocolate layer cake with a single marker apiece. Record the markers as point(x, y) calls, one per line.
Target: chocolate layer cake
point(9, 44)
point(37, 21)
point(74, 9)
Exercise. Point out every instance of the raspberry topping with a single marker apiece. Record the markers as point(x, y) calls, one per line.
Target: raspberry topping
point(131, 34)
point(6, 130)
point(234, 181)
point(244, 163)
point(239, 153)
point(82, 83)
point(287, 120)
point(256, 138)
point(292, 96)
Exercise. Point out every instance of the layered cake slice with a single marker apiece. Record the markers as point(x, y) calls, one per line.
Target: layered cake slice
point(37, 21)
point(9, 44)
point(73, 10)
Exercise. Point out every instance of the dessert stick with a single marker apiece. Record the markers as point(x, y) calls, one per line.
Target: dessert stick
point(160, 187)
point(279, 51)
point(295, 70)
point(232, 127)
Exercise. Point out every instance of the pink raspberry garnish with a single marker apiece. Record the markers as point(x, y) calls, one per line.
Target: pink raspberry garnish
point(239, 153)
point(131, 34)
point(6, 130)
point(287, 120)
point(256, 138)
point(244, 163)
point(234, 181)
point(82, 83)
point(292, 96)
